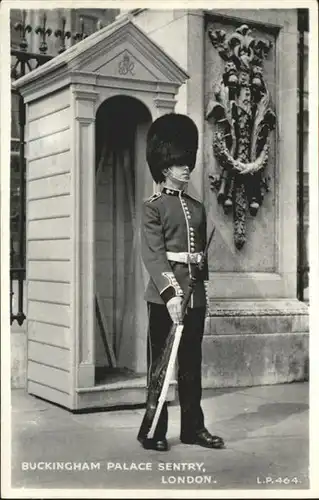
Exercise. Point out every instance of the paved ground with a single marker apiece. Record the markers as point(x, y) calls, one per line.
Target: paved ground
point(265, 429)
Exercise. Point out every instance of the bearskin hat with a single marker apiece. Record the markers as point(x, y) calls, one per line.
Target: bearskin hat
point(171, 140)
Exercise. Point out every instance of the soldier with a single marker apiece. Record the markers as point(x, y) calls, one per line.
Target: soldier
point(173, 237)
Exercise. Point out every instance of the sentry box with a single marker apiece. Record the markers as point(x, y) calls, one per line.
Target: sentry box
point(87, 115)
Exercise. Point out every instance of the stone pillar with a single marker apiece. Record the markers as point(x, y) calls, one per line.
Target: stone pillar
point(83, 281)
point(195, 92)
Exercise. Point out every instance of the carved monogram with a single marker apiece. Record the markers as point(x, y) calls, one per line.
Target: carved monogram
point(126, 66)
point(243, 121)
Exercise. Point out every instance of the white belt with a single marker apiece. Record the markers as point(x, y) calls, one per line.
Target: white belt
point(185, 257)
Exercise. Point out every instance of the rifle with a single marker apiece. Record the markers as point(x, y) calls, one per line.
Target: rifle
point(162, 375)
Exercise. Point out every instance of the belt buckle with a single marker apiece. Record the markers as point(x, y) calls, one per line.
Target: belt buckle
point(193, 258)
point(196, 258)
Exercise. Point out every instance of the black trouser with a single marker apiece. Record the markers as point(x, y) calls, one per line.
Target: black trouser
point(189, 365)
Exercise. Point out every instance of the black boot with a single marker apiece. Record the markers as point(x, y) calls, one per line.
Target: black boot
point(203, 438)
point(154, 443)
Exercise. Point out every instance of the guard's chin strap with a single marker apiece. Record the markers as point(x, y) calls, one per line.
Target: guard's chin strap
point(170, 175)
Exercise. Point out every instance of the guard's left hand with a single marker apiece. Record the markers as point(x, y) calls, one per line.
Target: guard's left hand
point(174, 306)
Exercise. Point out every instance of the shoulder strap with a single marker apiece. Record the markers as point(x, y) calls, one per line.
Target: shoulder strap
point(154, 197)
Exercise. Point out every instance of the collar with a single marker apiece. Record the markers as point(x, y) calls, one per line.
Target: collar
point(173, 192)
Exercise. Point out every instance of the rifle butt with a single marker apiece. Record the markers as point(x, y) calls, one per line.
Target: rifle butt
point(146, 422)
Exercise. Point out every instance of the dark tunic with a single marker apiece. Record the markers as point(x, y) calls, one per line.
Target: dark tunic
point(173, 221)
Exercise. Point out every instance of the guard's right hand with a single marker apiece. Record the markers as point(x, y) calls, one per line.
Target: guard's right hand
point(174, 307)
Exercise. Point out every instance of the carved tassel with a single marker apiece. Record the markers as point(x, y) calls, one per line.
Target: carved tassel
point(228, 203)
point(240, 215)
point(222, 189)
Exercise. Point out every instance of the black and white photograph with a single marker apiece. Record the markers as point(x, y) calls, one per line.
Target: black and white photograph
point(159, 249)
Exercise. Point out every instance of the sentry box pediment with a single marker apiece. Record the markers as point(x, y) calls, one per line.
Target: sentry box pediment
point(87, 115)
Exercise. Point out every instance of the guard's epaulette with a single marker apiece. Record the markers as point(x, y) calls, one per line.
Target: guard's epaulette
point(154, 196)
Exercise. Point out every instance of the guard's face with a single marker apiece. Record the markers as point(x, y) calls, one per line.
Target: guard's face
point(180, 173)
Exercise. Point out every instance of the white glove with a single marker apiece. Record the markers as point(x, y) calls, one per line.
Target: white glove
point(174, 307)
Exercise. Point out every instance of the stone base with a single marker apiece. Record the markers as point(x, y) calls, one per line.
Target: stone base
point(255, 344)
point(247, 360)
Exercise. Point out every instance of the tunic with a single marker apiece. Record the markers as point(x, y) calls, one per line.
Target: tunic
point(173, 222)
